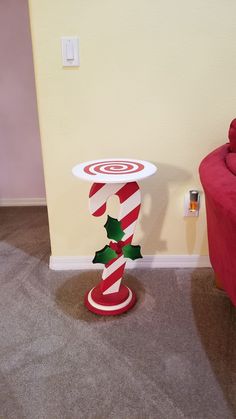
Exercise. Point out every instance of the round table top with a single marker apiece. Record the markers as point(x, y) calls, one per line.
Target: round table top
point(118, 170)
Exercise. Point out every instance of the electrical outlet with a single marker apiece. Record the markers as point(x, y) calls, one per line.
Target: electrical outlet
point(189, 210)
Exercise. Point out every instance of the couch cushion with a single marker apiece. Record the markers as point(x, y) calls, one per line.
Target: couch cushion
point(230, 160)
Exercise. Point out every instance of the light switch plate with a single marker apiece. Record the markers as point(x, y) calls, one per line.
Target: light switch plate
point(70, 51)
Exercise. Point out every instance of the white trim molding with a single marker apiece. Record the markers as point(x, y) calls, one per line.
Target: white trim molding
point(64, 263)
point(22, 202)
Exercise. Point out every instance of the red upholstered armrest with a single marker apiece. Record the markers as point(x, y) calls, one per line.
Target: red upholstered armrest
point(219, 184)
point(218, 181)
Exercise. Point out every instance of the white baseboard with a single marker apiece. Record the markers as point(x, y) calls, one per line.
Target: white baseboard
point(64, 263)
point(22, 202)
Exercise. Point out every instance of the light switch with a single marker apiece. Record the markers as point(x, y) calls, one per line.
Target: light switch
point(70, 51)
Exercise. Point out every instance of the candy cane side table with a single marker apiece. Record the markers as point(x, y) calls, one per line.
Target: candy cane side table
point(114, 177)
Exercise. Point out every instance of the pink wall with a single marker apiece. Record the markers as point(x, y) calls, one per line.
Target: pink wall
point(21, 171)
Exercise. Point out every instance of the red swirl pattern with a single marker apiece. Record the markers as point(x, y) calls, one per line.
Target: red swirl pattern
point(116, 167)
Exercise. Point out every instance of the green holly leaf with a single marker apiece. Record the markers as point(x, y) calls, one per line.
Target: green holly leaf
point(104, 255)
point(113, 228)
point(132, 252)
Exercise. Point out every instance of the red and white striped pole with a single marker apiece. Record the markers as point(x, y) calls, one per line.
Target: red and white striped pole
point(121, 298)
point(114, 177)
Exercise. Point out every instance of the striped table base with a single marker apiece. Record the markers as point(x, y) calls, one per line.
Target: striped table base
point(112, 304)
point(110, 297)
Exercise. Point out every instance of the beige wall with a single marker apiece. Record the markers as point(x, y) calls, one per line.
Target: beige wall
point(157, 82)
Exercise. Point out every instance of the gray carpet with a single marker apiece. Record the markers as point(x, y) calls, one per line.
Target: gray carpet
point(172, 356)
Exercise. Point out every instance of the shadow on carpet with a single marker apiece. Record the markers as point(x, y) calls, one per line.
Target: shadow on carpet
point(70, 296)
point(215, 319)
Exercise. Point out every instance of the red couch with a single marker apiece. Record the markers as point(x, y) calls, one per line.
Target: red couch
point(218, 178)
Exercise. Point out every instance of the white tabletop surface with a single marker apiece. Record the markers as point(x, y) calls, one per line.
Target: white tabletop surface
point(112, 170)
